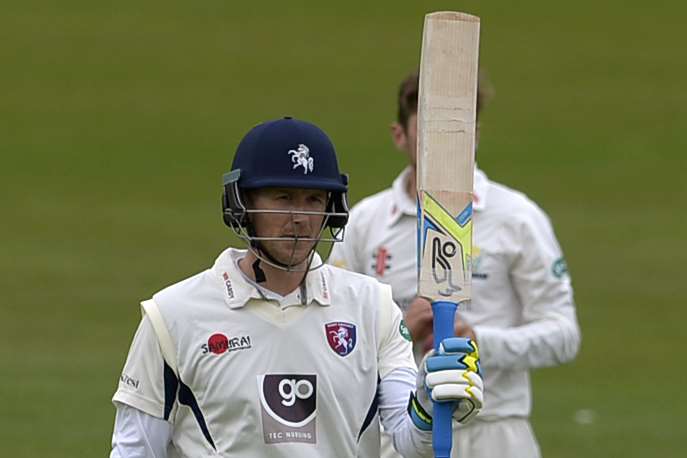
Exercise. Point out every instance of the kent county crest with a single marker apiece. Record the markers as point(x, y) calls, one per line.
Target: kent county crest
point(341, 337)
point(301, 158)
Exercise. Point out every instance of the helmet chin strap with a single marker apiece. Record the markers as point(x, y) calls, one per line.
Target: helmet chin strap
point(261, 252)
point(259, 273)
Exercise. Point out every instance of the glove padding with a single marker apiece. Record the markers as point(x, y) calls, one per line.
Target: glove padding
point(451, 375)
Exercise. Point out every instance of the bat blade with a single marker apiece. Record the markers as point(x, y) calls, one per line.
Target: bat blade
point(445, 154)
point(445, 171)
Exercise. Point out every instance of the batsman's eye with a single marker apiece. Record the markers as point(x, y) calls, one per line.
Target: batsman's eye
point(290, 389)
point(318, 199)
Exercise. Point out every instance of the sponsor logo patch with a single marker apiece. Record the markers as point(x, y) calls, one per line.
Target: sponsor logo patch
point(288, 405)
point(129, 381)
point(227, 284)
point(381, 261)
point(219, 343)
point(404, 331)
point(477, 261)
point(559, 268)
point(341, 337)
point(323, 283)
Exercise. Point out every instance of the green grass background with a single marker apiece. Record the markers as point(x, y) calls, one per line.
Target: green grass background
point(118, 118)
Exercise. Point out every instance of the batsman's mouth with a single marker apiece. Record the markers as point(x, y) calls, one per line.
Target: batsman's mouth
point(299, 236)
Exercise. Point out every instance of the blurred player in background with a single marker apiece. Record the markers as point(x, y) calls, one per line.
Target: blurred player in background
point(522, 312)
point(270, 352)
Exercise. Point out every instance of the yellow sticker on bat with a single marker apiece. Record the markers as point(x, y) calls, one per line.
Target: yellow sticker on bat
point(459, 228)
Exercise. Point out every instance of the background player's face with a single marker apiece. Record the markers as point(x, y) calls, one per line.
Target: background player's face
point(288, 225)
point(405, 138)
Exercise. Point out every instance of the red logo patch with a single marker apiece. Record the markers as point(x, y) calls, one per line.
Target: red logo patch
point(218, 343)
point(382, 261)
point(341, 337)
point(227, 284)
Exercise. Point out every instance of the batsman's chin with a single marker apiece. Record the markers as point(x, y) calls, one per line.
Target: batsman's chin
point(294, 256)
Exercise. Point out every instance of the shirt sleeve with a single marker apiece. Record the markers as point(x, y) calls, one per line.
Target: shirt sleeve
point(394, 346)
point(142, 382)
point(394, 393)
point(139, 435)
point(550, 334)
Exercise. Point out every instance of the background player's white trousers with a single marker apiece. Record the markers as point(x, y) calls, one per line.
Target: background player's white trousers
point(507, 438)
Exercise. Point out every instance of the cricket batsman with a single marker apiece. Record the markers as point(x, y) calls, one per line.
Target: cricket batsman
point(272, 353)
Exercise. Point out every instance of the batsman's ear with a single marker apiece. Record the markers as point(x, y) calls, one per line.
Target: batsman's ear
point(399, 136)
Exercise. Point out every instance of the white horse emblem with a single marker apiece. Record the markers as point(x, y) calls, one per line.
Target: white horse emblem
point(301, 157)
point(341, 338)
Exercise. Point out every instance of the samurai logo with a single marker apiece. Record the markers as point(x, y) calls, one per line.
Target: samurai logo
point(301, 157)
point(341, 337)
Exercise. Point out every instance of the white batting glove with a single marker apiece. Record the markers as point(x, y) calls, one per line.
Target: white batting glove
point(451, 375)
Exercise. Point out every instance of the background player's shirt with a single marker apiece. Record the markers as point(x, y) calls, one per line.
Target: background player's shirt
point(260, 377)
point(522, 308)
point(380, 241)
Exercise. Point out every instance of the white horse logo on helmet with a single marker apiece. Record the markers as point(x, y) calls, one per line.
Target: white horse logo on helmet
point(301, 157)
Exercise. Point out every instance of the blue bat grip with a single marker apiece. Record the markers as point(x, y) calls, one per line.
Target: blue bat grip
point(442, 420)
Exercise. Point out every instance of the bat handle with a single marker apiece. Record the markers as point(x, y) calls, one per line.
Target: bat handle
point(442, 422)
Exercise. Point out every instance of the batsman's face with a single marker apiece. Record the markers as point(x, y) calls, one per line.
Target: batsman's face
point(405, 138)
point(291, 225)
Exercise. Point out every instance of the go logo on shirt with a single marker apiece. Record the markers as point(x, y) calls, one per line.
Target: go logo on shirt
point(288, 403)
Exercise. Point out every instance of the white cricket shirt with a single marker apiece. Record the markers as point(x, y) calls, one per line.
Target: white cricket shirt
point(259, 378)
point(522, 308)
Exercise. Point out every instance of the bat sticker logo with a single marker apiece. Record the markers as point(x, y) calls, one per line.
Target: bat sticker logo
point(445, 249)
point(441, 255)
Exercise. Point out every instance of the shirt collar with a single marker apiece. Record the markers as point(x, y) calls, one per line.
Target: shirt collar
point(316, 285)
point(402, 204)
point(237, 291)
point(480, 188)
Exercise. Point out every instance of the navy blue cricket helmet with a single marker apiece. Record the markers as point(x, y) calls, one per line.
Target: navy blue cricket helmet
point(285, 153)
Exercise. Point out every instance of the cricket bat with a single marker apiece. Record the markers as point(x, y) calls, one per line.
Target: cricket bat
point(445, 170)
